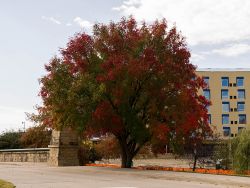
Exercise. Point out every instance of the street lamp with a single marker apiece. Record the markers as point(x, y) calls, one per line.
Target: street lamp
point(23, 123)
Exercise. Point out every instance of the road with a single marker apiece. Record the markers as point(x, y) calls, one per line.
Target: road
point(39, 175)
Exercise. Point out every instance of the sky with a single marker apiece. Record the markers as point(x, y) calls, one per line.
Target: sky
point(32, 32)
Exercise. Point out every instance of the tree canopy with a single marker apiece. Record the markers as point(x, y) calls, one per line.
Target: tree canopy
point(10, 140)
point(133, 81)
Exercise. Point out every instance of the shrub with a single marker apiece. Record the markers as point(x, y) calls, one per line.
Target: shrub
point(145, 152)
point(36, 137)
point(241, 151)
point(87, 153)
point(108, 148)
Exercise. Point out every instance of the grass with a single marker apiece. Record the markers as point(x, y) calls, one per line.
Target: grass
point(4, 184)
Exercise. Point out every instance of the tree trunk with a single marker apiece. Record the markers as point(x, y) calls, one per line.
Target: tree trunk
point(127, 152)
point(195, 161)
point(129, 149)
point(126, 161)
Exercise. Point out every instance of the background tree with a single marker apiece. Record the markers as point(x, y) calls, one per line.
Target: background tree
point(135, 82)
point(10, 140)
point(36, 137)
point(240, 147)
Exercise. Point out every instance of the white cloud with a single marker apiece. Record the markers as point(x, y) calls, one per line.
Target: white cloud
point(201, 21)
point(68, 24)
point(51, 19)
point(232, 50)
point(196, 57)
point(83, 23)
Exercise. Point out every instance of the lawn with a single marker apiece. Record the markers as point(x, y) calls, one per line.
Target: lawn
point(4, 184)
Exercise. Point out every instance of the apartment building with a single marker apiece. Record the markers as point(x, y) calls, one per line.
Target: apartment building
point(229, 92)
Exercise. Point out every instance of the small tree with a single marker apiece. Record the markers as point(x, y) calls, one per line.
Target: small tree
point(240, 147)
point(36, 137)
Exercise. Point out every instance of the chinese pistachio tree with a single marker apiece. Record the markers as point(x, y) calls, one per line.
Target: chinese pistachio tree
point(133, 81)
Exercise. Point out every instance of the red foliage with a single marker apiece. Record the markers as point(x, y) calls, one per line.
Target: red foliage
point(106, 120)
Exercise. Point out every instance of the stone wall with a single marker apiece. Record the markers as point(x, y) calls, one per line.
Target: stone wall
point(62, 151)
point(24, 155)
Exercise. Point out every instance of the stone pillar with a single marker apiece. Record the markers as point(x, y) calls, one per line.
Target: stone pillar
point(64, 148)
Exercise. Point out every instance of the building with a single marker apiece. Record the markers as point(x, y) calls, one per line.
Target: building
point(229, 92)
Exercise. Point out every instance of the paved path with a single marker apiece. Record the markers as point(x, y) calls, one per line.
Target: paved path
point(27, 175)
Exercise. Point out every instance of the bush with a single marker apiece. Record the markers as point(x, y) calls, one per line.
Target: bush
point(108, 148)
point(222, 153)
point(36, 137)
point(146, 152)
point(158, 147)
point(87, 153)
point(241, 151)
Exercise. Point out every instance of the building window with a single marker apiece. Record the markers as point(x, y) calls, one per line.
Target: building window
point(240, 129)
point(240, 81)
point(241, 106)
point(241, 93)
point(224, 81)
point(242, 119)
point(226, 131)
point(206, 80)
point(209, 118)
point(225, 106)
point(225, 119)
point(206, 93)
point(224, 94)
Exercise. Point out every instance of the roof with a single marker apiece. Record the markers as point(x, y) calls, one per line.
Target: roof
point(223, 69)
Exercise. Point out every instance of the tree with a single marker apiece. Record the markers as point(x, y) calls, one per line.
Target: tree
point(36, 137)
point(10, 140)
point(135, 82)
point(240, 147)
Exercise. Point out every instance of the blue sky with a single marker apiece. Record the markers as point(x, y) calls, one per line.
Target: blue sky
point(217, 32)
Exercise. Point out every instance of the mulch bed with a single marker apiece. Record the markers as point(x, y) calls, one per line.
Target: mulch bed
point(175, 169)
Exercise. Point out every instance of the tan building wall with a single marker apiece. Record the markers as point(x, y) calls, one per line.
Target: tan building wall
point(216, 110)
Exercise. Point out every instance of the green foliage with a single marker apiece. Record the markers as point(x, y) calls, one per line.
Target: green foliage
point(222, 153)
point(10, 140)
point(87, 153)
point(68, 99)
point(241, 151)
